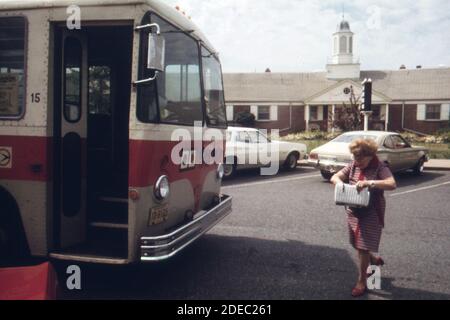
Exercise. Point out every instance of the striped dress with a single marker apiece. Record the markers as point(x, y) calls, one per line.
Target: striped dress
point(365, 232)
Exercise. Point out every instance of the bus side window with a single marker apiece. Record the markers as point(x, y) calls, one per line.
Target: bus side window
point(12, 61)
point(214, 96)
point(72, 79)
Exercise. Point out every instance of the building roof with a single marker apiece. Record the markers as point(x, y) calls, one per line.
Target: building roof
point(398, 85)
point(344, 26)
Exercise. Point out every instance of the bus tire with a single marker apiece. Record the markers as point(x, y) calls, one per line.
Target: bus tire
point(13, 243)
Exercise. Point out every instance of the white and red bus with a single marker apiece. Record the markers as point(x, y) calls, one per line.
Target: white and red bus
point(89, 98)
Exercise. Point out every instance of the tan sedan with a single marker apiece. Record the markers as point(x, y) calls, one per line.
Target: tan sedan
point(393, 149)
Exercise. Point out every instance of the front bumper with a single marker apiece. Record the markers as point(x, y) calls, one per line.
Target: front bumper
point(165, 246)
point(328, 165)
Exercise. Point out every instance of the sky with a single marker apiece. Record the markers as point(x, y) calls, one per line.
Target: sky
point(296, 35)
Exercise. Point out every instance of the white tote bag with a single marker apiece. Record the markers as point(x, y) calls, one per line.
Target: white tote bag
point(348, 195)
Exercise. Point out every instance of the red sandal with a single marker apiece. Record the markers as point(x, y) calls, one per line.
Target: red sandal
point(357, 292)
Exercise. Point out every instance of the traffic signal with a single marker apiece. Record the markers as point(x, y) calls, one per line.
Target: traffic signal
point(366, 97)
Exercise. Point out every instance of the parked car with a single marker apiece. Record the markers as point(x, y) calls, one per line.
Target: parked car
point(393, 149)
point(247, 144)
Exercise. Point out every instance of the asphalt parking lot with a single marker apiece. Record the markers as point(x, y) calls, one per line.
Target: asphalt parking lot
point(287, 240)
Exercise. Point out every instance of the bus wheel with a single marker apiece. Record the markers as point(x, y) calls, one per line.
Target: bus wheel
point(13, 243)
point(6, 252)
point(3, 241)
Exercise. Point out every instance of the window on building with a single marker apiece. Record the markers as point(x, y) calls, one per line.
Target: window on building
point(433, 112)
point(263, 112)
point(12, 61)
point(238, 109)
point(313, 113)
point(343, 44)
point(376, 112)
point(350, 44)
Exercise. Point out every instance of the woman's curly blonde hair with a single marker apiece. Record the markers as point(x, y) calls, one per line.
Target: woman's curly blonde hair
point(363, 147)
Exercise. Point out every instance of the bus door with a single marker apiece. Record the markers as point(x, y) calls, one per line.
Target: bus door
point(70, 136)
point(92, 81)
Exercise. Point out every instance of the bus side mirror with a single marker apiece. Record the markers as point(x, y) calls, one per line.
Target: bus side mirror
point(156, 52)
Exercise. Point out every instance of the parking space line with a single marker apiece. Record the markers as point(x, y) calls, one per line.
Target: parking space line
point(420, 189)
point(242, 185)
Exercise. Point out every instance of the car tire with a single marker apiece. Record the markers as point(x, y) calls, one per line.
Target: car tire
point(229, 170)
point(291, 161)
point(419, 168)
point(326, 175)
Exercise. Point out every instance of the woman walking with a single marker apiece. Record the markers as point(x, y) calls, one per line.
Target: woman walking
point(365, 225)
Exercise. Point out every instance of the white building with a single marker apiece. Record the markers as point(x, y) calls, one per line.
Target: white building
point(406, 99)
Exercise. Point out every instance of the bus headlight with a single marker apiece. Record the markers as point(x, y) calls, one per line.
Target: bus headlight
point(162, 188)
point(220, 171)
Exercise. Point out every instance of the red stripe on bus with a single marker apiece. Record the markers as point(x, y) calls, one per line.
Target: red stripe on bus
point(30, 160)
point(25, 158)
point(151, 159)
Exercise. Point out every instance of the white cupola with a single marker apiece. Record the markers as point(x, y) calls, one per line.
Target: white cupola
point(343, 44)
point(342, 65)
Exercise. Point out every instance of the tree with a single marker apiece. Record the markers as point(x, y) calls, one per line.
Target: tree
point(245, 118)
point(349, 117)
point(100, 89)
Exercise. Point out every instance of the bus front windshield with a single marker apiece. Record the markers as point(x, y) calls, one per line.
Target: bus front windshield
point(214, 96)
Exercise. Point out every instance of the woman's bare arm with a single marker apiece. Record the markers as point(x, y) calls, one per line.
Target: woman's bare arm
point(338, 177)
point(386, 184)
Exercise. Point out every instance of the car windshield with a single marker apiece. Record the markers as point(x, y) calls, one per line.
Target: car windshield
point(262, 138)
point(347, 138)
point(229, 135)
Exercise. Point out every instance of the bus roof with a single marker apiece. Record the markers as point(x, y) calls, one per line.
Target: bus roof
point(161, 8)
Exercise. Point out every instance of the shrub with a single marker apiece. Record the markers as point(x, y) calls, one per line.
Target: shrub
point(245, 118)
point(444, 134)
point(310, 135)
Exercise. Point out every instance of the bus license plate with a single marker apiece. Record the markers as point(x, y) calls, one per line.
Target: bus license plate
point(158, 215)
